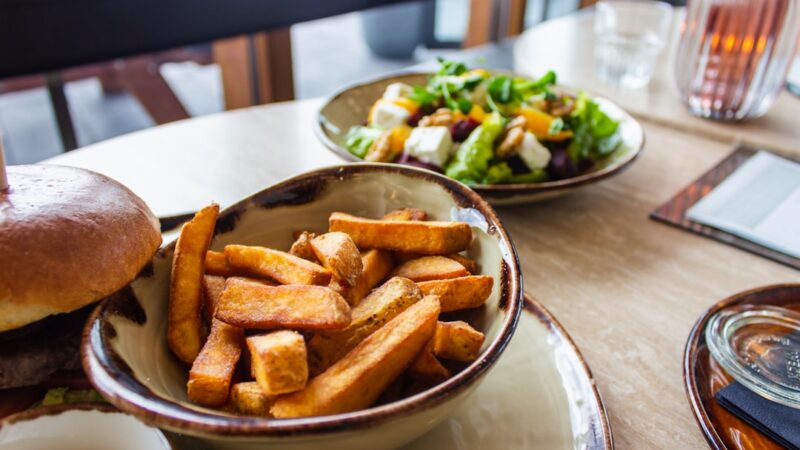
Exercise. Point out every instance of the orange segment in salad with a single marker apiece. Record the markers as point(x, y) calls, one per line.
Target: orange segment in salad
point(406, 103)
point(397, 140)
point(538, 123)
point(477, 113)
point(481, 72)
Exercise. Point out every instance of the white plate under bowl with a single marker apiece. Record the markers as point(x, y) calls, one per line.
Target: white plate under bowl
point(78, 427)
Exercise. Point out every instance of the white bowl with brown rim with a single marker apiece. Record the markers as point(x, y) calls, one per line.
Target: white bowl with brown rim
point(125, 351)
point(350, 106)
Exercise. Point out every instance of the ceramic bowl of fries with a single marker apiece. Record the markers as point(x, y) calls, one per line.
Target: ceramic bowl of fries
point(350, 307)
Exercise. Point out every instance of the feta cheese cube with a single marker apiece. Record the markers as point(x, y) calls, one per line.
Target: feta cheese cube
point(397, 90)
point(478, 95)
point(533, 154)
point(387, 115)
point(430, 144)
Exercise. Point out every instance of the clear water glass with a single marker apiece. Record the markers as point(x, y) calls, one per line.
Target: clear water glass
point(734, 55)
point(629, 35)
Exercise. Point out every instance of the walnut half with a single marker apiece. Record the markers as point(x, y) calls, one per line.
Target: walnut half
point(381, 149)
point(443, 117)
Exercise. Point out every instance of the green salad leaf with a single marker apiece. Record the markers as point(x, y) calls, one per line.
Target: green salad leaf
point(471, 162)
point(359, 139)
point(500, 173)
point(525, 87)
point(448, 67)
point(423, 97)
point(500, 89)
point(595, 134)
point(536, 176)
point(63, 395)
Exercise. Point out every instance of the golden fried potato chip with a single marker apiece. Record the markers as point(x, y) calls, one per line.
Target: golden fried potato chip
point(279, 266)
point(247, 398)
point(426, 368)
point(457, 340)
point(428, 238)
point(213, 286)
point(355, 381)
point(429, 268)
point(279, 361)
point(302, 247)
point(406, 214)
point(212, 370)
point(217, 264)
point(377, 264)
point(379, 307)
point(339, 254)
point(184, 321)
point(469, 264)
point(459, 293)
point(254, 305)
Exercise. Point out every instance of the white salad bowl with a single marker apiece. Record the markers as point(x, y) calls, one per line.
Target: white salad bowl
point(350, 107)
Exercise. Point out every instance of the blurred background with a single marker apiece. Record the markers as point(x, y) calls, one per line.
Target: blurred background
point(42, 115)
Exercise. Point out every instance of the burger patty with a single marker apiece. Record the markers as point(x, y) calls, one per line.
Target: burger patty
point(31, 354)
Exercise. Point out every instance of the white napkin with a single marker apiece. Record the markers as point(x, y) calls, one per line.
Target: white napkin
point(759, 202)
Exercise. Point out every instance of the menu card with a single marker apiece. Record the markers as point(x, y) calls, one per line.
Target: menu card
point(760, 202)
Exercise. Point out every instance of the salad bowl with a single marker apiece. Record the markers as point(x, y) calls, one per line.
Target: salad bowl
point(350, 108)
point(126, 357)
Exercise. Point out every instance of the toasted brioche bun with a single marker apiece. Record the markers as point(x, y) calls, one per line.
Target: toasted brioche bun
point(68, 237)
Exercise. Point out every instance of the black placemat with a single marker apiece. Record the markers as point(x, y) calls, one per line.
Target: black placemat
point(674, 211)
point(778, 422)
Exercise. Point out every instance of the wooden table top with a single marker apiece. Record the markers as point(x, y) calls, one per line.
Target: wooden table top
point(571, 55)
point(627, 289)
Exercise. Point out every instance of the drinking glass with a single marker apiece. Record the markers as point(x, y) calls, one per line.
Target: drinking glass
point(629, 35)
point(734, 54)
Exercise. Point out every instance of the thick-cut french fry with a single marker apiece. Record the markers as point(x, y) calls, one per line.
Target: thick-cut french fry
point(429, 268)
point(356, 380)
point(184, 322)
point(213, 286)
point(254, 305)
point(212, 370)
point(377, 264)
point(426, 368)
point(302, 247)
point(459, 293)
point(263, 281)
point(217, 264)
point(339, 254)
point(279, 361)
point(279, 266)
point(469, 264)
point(248, 398)
point(379, 307)
point(457, 340)
point(406, 214)
point(429, 238)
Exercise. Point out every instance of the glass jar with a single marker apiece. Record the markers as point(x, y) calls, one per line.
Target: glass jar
point(734, 55)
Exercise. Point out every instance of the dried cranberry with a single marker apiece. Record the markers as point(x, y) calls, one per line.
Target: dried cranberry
point(415, 118)
point(409, 160)
point(561, 165)
point(460, 130)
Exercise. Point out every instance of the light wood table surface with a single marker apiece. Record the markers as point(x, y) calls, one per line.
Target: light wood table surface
point(627, 289)
point(566, 45)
